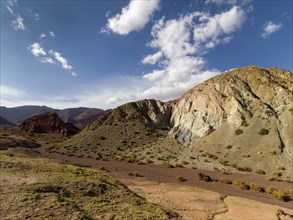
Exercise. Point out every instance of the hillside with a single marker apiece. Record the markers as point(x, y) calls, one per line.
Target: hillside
point(48, 123)
point(38, 189)
point(243, 117)
point(238, 120)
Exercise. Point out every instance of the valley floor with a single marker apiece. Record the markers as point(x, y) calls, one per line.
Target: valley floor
point(193, 198)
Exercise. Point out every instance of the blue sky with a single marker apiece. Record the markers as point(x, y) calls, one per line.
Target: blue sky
point(105, 53)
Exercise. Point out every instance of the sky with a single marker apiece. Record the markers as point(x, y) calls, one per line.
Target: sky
point(102, 54)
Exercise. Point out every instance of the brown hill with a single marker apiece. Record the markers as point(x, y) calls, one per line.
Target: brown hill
point(48, 123)
point(239, 120)
point(128, 126)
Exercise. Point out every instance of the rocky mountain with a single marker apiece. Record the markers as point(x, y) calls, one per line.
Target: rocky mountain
point(48, 123)
point(80, 117)
point(128, 126)
point(239, 120)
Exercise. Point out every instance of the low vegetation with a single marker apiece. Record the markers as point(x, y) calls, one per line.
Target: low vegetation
point(260, 171)
point(39, 189)
point(263, 131)
point(225, 180)
point(238, 131)
point(241, 185)
point(180, 178)
point(206, 177)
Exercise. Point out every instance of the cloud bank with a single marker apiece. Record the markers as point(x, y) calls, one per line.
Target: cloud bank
point(180, 45)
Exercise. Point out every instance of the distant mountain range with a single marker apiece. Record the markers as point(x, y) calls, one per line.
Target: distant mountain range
point(80, 117)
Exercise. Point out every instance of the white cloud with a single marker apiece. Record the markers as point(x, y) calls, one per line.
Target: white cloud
point(18, 23)
point(42, 36)
point(180, 45)
point(10, 9)
point(132, 17)
point(212, 28)
point(219, 2)
point(61, 59)
point(269, 28)
point(47, 60)
point(36, 16)
point(37, 50)
point(229, 2)
point(51, 57)
point(152, 58)
point(52, 34)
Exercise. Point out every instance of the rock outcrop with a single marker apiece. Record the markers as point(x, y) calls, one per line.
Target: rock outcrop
point(232, 97)
point(48, 123)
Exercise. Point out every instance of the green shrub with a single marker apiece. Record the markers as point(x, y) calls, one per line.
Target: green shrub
point(205, 177)
point(241, 184)
point(229, 147)
point(244, 123)
point(244, 169)
point(185, 162)
point(224, 162)
point(260, 171)
point(264, 131)
point(257, 187)
point(273, 178)
point(270, 189)
point(103, 138)
point(180, 178)
point(238, 131)
point(277, 174)
point(280, 167)
point(225, 180)
point(167, 164)
point(279, 194)
point(213, 156)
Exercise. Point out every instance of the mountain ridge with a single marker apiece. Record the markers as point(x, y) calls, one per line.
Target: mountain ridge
point(82, 116)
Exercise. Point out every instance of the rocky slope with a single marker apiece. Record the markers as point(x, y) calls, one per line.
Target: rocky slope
point(244, 117)
point(233, 97)
point(128, 126)
point(239, 120)
point(48, 123)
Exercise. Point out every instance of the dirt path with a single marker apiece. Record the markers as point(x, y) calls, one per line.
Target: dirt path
point(160, 174)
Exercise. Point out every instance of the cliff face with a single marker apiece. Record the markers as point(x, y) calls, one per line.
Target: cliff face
point(234, 97)
point(48, 123)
